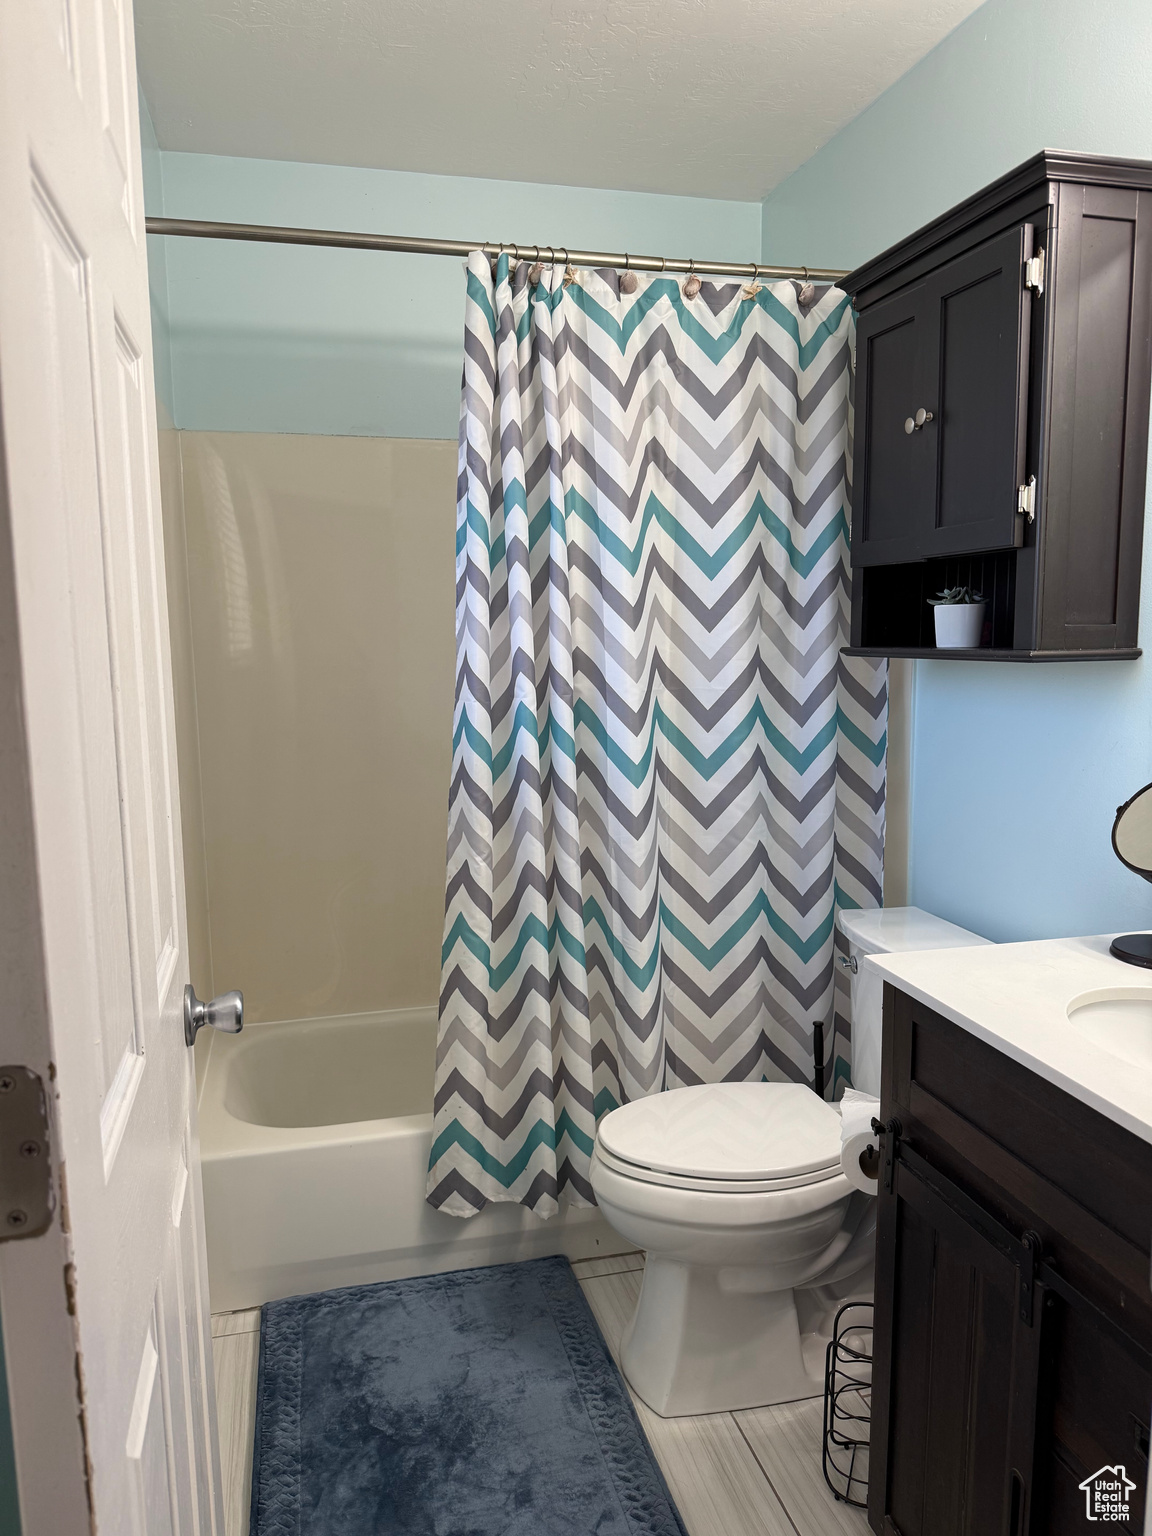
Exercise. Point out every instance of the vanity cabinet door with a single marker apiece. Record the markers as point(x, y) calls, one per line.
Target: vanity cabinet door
point(894, 470)
point(1013, 1342)
point(978, 324)
point(956, 1375)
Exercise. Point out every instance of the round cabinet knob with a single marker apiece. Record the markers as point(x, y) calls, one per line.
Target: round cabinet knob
point(921, 417)
point(909, 426)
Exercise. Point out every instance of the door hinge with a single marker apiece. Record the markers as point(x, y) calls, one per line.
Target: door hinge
point(1026, 499)
point(25, 1168)
point(1034, 268)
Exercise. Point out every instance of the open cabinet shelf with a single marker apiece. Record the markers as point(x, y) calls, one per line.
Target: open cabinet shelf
point(984, 653)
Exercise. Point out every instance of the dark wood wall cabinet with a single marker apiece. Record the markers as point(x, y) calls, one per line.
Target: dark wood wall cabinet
point(1003, 357)
point(1013, 1338)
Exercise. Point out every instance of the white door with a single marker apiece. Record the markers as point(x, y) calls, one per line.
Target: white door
point(105, 1314)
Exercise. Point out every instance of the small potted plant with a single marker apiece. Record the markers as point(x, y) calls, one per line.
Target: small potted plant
point(959, 614)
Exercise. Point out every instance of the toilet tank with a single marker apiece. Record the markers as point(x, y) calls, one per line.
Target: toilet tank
point(886, 931)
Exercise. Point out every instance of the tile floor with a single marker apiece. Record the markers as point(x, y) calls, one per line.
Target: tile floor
point(755, 1473)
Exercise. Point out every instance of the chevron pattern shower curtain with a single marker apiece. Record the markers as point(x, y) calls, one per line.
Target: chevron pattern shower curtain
point(664, 775)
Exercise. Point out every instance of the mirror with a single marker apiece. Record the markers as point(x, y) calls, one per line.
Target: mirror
point(1132, 832)
point(1132, 842)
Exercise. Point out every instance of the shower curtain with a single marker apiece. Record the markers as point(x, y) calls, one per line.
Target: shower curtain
point(665, 777)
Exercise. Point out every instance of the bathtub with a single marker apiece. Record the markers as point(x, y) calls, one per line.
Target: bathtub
point(314, 1139)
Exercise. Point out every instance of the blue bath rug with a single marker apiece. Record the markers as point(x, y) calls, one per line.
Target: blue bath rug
point(478, 1403)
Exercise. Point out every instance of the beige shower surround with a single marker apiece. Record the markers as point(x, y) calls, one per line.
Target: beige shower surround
point(312, 598)
point(312, 601)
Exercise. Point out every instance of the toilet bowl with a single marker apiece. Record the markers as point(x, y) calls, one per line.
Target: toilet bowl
point(752, 1233)
point(735, 1193)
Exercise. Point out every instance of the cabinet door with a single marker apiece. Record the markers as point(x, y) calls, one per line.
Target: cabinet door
point(977, 315)
point(894, 476)
point(956, 1376)
point(954, 347)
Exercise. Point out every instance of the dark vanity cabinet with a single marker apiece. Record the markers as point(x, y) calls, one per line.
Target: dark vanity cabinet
point(1013, 1339)
point(1003, 358)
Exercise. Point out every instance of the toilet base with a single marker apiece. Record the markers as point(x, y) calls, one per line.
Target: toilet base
point(700, 1343)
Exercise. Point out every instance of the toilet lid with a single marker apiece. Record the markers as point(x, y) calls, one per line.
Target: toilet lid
point(727, 1131)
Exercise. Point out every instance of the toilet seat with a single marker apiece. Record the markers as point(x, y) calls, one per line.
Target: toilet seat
point(724, 1138)
point(642, 1175)
point(736, 1195)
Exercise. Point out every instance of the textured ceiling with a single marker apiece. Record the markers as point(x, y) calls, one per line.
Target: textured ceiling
point(717, 98)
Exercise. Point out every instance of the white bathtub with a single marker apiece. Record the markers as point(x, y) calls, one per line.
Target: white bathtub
point(314, 1138)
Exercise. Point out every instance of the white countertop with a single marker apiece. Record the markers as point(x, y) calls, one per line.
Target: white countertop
point(1015, 997)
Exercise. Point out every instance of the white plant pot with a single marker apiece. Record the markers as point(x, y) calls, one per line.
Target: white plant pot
point(959, 625)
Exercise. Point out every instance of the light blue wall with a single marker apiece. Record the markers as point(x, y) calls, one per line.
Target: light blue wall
point(1016, 770)
point(292, 339)
point(1018, 76)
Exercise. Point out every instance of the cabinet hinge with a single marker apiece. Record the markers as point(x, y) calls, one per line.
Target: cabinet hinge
point(25, 1168)
point(1031, 1250)
point(1026, 499)
point(889, 1133)
point(1034, 272)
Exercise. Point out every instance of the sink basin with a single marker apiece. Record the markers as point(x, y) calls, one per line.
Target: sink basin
point(1118, 1020)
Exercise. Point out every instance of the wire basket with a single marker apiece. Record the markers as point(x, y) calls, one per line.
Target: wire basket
point(848, 1403)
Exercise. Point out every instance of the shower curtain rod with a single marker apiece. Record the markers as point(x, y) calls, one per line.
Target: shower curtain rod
point(350, 240)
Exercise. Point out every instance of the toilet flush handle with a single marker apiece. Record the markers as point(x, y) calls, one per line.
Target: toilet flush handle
point(849, 962)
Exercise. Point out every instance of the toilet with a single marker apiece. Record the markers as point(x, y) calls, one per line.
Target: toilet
point(752, 1232)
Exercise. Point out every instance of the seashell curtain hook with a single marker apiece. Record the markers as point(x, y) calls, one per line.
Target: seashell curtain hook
point(692, 282)
point(569, 270)
point(753, 288)
point(495, 260)
point(807, 290)
point(536, 270)
point(628, 280)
